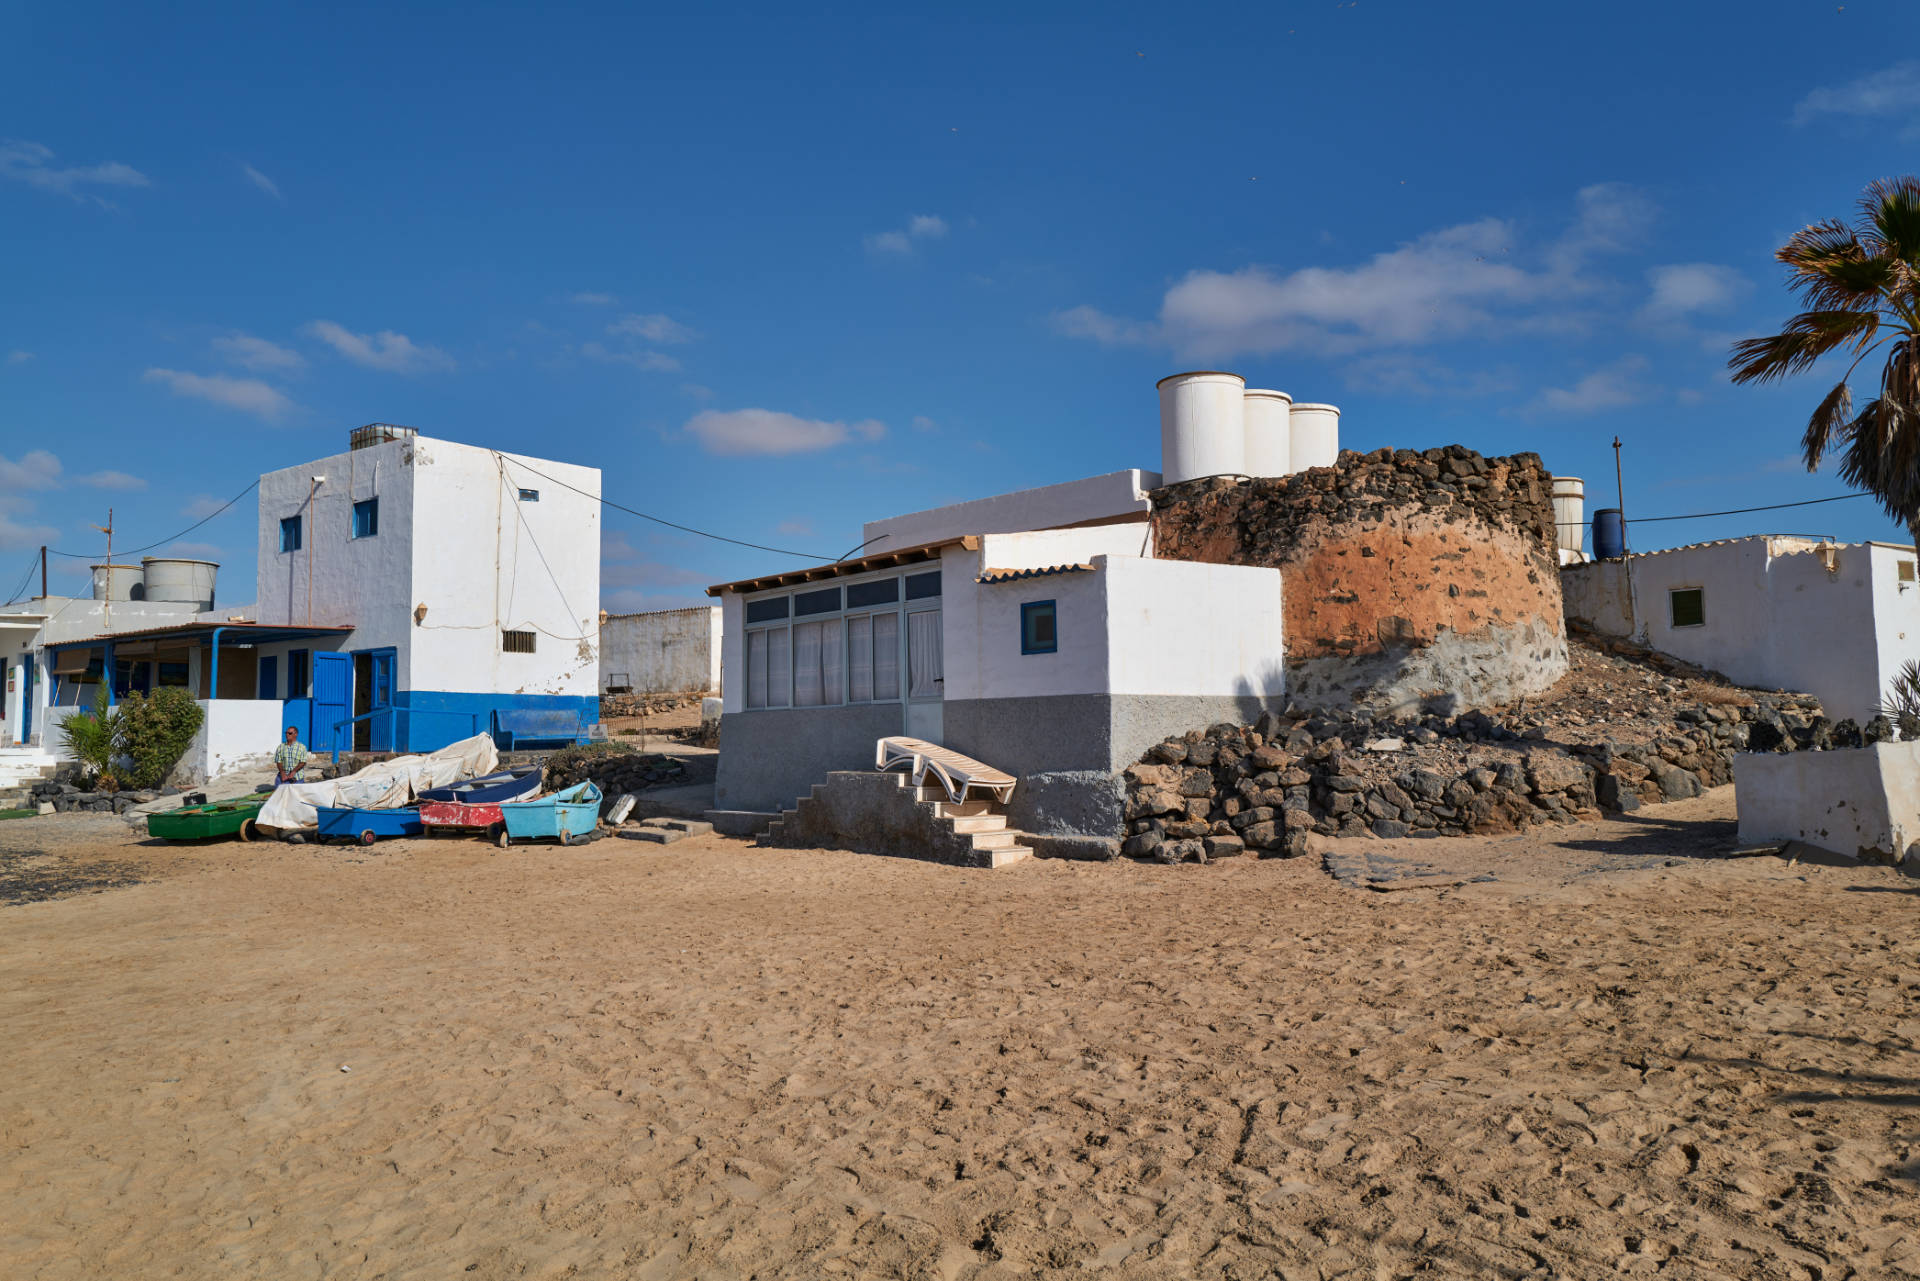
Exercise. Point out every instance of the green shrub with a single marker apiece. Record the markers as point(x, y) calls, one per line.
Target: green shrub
point(92, 738)
point(154, 730)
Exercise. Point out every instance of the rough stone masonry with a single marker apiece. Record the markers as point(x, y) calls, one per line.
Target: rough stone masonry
point(1412, 581)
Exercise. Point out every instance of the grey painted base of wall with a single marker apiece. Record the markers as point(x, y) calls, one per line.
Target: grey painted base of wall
point(1067, 751)
point(1490, 668)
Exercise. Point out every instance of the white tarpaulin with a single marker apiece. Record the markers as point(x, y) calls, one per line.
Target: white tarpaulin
point(384, 785)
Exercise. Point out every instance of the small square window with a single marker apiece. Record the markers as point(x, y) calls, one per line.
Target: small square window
point(529, 495)
point(1903, 571)
point(1037, 635)
point(366, 518)
point(290, 533)
point(516, 642)
point(1687, 606)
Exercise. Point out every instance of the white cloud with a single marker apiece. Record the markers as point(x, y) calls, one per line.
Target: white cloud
point(35, 470)
point(202, 506)
point(1473, 278)
point(30, 162)
point(15, 512)
point(249, 395)
point(922, 423)
point(592, 300)
point(263, 182)
point(767, 431)
point(652, 327)
point(1894, 91)
point(799, 528)
point(900, 243)
point(655, 361)
point(1687, 287)
point(386, 350)
point(17, 357)
point(1614, 386)
point(112, 480)
point(257, 353)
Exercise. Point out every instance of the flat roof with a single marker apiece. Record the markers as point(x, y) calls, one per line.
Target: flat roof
point(842, 568)
point(256, 633)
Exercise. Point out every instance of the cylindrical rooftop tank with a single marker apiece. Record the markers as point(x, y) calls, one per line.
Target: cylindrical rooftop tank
point(116, 582)
point(186, 581)
point(1569, 512)
point(1268, 436)
point(1316, 435)
point(1201, 425)
point(1609, 534)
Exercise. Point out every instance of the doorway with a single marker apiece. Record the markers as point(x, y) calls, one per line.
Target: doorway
point(373, 692)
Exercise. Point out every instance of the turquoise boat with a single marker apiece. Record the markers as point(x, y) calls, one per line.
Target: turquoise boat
point(560, 817)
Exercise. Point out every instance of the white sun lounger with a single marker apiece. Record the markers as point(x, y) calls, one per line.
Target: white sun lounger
point(953, 772)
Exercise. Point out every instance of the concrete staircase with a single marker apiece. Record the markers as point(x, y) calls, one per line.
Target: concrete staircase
point(20, 769)
point(885, 814)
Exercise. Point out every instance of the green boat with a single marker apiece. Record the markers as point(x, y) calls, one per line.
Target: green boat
point(199, 822)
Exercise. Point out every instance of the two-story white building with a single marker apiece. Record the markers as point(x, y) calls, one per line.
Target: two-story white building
point(411, 592)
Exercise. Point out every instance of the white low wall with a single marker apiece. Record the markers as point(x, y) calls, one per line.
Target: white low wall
point(235, 734)
point(1859, 802)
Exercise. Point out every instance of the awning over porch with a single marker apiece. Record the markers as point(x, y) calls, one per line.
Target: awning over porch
point(155, 642)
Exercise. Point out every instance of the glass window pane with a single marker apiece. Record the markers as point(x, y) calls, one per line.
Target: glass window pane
point(921, 586)
point(1689, 606)
point(806, 664)
point(1036, 628)
point(860, 659)
point(925, 677)
point(756, 669)
point(884, 592)
point(767, 611)
point(779, 668)
point(886, 657)
point(833, 661)
point(824, 601)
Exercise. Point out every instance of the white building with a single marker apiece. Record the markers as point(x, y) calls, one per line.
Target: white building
point(411, 592)
point(661, 651)
point(1835, 620)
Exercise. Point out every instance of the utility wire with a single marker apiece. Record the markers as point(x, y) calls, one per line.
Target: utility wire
point(1741, 511)
point(20, 592)
point(135, 551)
point(608, 502)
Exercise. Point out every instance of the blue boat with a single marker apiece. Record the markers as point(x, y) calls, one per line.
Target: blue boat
point(366, 826)
point(517, 784)
point(561, 817)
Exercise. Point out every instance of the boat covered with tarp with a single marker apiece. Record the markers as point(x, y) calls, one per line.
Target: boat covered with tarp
point(384, 785)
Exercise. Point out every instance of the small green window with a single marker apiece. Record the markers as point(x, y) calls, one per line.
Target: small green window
point(1037, 634)
point(1687, 606)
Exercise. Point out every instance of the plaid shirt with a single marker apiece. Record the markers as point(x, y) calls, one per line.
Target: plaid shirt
point(290, 756)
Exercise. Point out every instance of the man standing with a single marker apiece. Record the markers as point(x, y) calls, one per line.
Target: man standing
point(289, 757)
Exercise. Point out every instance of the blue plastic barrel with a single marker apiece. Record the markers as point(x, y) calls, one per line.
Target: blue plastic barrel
point(1609, 534)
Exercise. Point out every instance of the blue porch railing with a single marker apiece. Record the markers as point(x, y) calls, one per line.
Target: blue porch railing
point(397, 719)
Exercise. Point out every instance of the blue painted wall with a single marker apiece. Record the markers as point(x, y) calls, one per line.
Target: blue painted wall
point(431, 719)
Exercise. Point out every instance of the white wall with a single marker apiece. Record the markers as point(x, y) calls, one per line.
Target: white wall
point(1039, 549)
point(664, 651)
point(1860, 802)
point(1785, 613)
point(1121, 494)
point(733, 652)
point(980, 629)
point(234, 734)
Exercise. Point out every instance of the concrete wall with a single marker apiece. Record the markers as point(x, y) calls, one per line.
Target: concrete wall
point(234, 735)
point(667, 651)
point(770, 759)
point(1120, 495)
point(1860, 802)
point(1834, 621)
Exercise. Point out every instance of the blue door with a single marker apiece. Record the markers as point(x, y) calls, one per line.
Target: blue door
point(332, 690)
point(269, 678)
point(31, 662)
point(382, 725)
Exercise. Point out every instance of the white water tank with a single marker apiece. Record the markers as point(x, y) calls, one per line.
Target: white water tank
point(1201, 425)
point(188, 582)
point(1269, 438)
point(116, 582)
point(1316, 435)
point(1569, 514)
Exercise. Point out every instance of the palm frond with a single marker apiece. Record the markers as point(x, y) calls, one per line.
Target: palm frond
point(1831, 416)
point(1805, 338)
point(1890, 214)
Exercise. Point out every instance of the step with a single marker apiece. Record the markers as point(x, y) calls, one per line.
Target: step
point(684, 826)
point(979, 823)
point(996, 840)
point(961, 809)
point(1008, 855)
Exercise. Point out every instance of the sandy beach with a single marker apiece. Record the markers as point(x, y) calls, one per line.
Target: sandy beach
point(1624, 1054)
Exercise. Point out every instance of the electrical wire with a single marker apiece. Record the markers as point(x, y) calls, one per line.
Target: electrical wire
point(608, 502)
point(20, 592)
point(1741, 511)
point(135, 551)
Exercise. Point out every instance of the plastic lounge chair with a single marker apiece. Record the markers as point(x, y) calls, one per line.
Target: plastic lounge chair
point(955, 773)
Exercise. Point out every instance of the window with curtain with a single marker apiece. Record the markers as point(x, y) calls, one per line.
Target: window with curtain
point(886, 656)
point(817, 663)
point(924, 672)
point(860, 659)
point(767, 668)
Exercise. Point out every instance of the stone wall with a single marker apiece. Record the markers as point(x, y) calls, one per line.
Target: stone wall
point(1411, 579)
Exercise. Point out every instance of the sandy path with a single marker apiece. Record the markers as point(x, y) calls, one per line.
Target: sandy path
point(718, 1061)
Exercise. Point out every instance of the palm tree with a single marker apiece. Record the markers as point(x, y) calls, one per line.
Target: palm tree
point(1861, 289)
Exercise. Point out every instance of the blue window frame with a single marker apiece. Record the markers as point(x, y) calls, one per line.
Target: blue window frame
point(366, 518)
point(1037, 632)
point(529, 495)
point(289, 533)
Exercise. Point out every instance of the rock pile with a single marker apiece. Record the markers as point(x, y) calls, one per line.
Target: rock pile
point(621, 705)
point(67, 798)
point(1626, 728)
point(613, 772)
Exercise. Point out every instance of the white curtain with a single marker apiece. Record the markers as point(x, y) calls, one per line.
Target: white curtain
point(860, 660)
point(779, 668)
point(924, 671)
point(833, 662)
point(806, 664)
point(756, 669)
point(886, 657)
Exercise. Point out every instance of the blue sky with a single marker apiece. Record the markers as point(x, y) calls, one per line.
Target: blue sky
point(781, 273)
